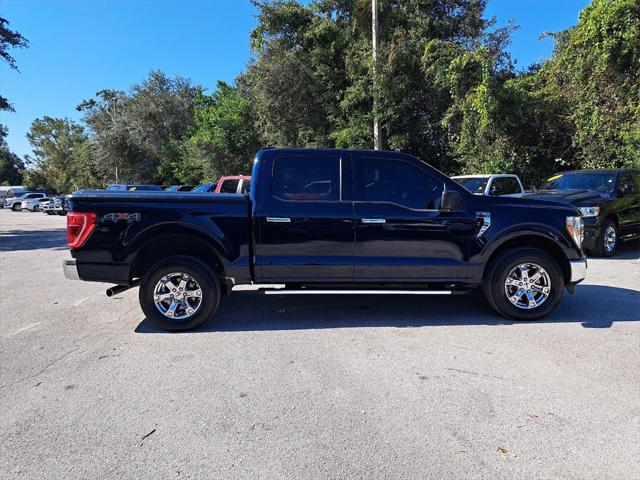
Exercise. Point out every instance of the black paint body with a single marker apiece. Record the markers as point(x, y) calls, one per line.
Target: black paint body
point(324, 241)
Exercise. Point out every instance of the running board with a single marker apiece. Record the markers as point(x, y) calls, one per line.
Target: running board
point(284, 291)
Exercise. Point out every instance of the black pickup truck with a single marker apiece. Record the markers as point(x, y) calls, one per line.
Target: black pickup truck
point(326, 222)
point(608, 200)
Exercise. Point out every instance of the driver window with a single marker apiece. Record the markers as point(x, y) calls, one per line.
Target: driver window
point(400, 182)
point(626, 183)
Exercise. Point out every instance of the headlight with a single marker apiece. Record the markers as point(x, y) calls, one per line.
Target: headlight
point(575, 227)
point(589, 211)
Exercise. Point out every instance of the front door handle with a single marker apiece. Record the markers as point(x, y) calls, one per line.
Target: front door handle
point(374, 220)
point(278, 219)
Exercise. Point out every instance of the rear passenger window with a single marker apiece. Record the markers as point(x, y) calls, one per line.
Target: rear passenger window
point(402, 183)
point(229, 186)
point(504, 186)
point(246, 186)
point(310, 179)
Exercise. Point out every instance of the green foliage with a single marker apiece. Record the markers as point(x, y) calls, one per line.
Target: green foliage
point(224, 132)
point(57, 145)
point(9, 39)
point(11, 167)
point(139, 132)
point(595, 72)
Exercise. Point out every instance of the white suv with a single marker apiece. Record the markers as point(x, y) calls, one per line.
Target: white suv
point(15, 203)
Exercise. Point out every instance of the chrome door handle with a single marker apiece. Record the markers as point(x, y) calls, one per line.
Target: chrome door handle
point(278, 219)
point(374, 220)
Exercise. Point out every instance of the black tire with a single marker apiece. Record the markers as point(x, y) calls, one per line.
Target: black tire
point(35, 208)
point(601, 249)
point(16, 207)
point(496, 274)
point(205, 277)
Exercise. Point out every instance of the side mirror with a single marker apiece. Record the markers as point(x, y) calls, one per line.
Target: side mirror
point(452, 201)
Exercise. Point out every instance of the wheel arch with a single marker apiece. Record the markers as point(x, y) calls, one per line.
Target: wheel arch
point(532, 240)
point(169, 243)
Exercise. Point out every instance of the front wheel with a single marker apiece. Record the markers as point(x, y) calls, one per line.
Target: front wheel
point(16, 207)
point(524, 284)
point(607, 243)
point(179, 293)
point(35, 208)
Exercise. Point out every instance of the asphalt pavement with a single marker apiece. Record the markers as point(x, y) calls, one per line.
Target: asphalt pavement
point(312, 388)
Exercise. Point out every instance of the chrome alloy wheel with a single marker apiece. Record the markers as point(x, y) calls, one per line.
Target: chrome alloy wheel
point(527, 286)
point(177, 295)
point(610, 239)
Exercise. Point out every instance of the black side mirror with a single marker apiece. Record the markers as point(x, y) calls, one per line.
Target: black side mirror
point(452, 201)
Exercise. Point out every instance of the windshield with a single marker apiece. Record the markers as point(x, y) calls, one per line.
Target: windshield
point(603, 181)
point(474, 185)
point(202, 188)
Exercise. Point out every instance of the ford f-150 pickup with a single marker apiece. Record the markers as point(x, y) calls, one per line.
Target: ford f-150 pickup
point(326, 222)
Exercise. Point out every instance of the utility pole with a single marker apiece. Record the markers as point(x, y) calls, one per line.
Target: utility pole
point(377, 138)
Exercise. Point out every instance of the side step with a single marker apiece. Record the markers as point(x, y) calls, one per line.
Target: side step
point(310, 291)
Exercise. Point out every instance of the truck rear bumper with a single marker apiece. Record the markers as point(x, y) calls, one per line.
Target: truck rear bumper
point(70, 269)
point(578, 270)
point(96, 272)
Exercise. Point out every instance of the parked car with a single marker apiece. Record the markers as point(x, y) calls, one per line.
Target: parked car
point(327, 222)
point(9, 192)
point(15, 203)
point(496, 184)
point(33, 204)
point(235, 184)
point(608, 200)
point(179, 188)
point(44, 205)
point(133, 188)
point(55, 206)
point(206, 188)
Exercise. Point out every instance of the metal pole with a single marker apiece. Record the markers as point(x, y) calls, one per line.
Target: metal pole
point(377, 138)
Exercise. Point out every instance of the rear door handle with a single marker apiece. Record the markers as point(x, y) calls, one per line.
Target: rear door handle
point(374, 220)
point(278, 219)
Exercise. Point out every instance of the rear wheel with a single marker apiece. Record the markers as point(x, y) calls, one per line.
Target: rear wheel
point(524, 284)
point(16, 207)
point(36, 208)
point(179, 293)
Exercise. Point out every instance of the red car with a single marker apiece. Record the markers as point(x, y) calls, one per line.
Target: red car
point(234, 184)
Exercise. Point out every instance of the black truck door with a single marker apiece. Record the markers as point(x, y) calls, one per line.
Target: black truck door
point(628, 204)
point(305, 226)
point(401, 234)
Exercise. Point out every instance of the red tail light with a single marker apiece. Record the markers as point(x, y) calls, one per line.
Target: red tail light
point(79, 227)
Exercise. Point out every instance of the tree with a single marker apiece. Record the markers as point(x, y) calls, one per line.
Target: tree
point(11, 167)
point(312, 75)
point(141, 131)
point(56, 143)
point(595, 72)
point(224, 131)
point(9, 39)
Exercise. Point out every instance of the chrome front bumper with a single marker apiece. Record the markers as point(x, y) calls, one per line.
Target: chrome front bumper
point(578, 270)
point(70, 269)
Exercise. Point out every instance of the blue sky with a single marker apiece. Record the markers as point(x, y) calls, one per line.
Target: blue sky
point(78, 47)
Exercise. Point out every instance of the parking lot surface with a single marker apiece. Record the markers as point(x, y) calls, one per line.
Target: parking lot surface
point(312, 388)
